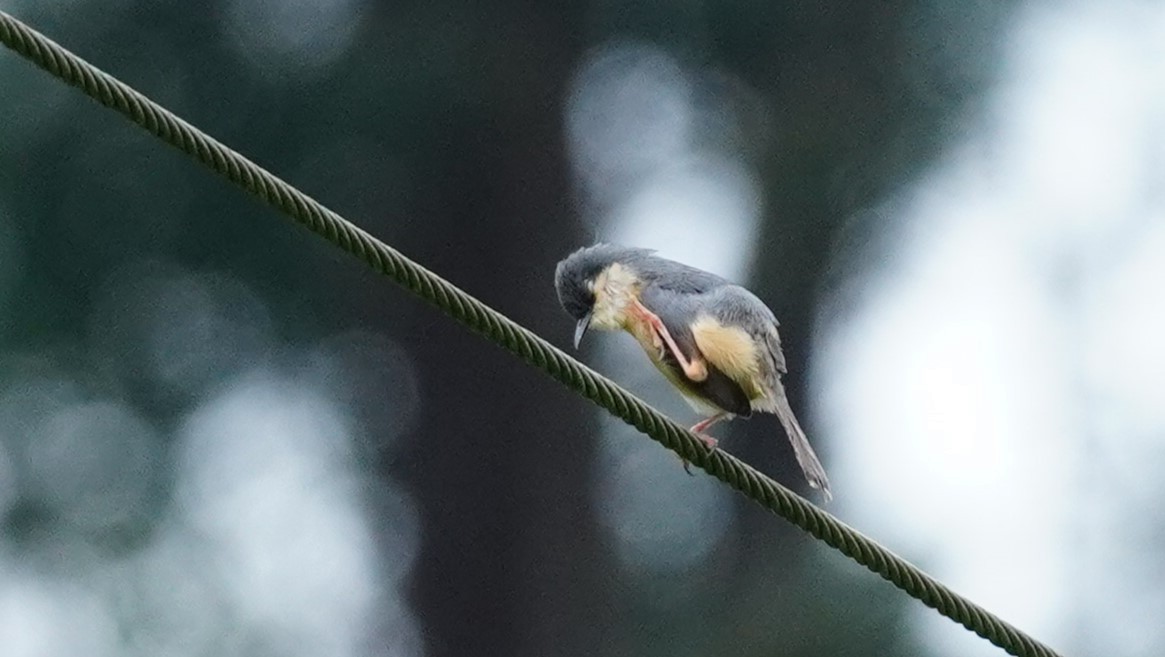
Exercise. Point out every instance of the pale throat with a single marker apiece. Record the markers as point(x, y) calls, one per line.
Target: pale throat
point(615, 288)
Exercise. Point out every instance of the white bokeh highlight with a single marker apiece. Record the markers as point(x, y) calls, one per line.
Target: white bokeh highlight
point(265, 474)
point(247, 525)
point(47, 617)
point(992, 398)
point(629, 115)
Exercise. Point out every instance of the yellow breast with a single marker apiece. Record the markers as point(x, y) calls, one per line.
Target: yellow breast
point(614, 288)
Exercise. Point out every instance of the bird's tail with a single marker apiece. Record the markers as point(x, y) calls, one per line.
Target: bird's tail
point(806, 457)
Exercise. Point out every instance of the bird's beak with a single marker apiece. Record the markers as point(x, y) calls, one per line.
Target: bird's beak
point(581, 329)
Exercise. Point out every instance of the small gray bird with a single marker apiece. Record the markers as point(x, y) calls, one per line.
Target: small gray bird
point(714, 341)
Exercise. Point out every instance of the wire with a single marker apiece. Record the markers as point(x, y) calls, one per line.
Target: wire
point(499, 329)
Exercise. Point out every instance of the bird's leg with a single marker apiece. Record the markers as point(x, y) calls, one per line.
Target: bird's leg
point(699, 428)
point(694, 368)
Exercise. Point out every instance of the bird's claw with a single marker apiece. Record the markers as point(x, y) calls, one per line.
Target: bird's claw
point(712, 445)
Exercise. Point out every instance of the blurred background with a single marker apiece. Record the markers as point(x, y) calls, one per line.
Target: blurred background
point(221, 436)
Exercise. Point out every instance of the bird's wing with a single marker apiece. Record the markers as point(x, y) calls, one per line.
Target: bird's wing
point(734, 308)
point(678, 277)
point(738, 333)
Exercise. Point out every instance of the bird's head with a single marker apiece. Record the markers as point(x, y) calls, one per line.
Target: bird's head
point(595, 284)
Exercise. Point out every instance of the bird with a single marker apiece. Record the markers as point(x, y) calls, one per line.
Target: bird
point(714, 341)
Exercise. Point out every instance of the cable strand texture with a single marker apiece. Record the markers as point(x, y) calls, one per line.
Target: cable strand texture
point(499, 329)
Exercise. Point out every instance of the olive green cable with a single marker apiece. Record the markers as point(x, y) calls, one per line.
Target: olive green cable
point(469, 311)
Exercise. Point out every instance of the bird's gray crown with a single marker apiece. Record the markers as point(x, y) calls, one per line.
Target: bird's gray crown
point(579, 268)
